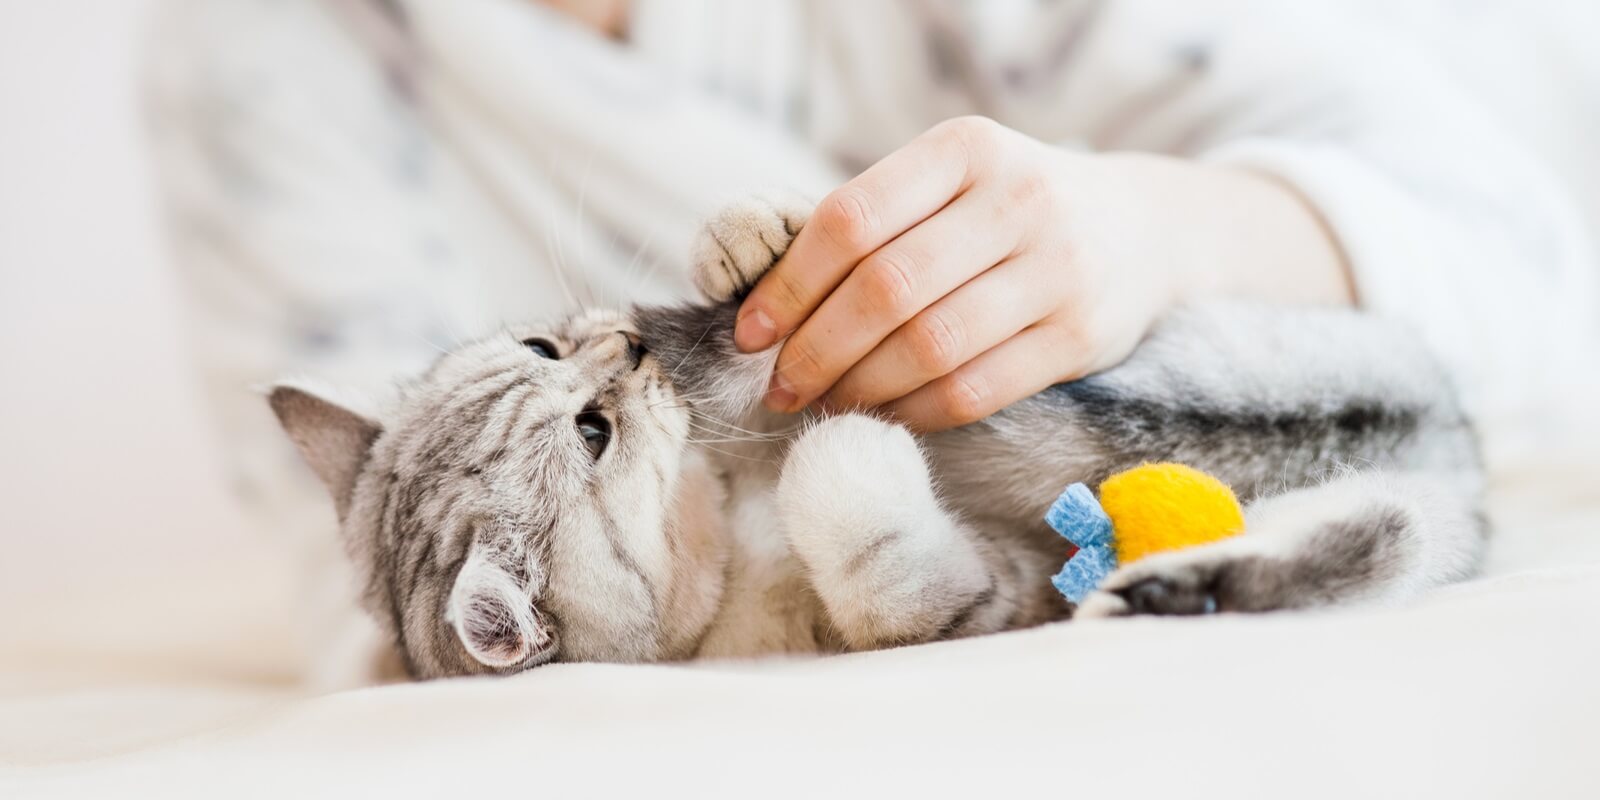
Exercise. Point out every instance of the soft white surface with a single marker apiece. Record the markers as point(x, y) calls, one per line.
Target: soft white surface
point(145, 647)
point(1484, 691)
point(99, 420)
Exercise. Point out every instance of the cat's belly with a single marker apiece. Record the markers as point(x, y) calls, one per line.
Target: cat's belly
point(768, 605)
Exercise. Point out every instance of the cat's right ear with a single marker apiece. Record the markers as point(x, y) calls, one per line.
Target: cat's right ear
point(493, 617)
point(333, 439)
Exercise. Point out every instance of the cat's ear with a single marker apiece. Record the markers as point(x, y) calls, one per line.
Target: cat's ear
point(493, 617)
point(333, 439)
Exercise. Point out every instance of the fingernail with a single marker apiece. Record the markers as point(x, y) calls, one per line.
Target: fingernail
point(779, 396)
point(754, 330)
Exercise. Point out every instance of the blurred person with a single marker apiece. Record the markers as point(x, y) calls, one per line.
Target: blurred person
point(357, 184)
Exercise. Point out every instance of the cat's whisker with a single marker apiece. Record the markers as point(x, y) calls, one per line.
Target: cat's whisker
point(552, 246)
point(699, 419)
point(702, 442)
point(723, 436)
point(580, 231)
point(689, 404)
point(716, 426)
point(768, 435)
point(583, 198)
point(629, 278)
point(673, 374)
point(454, 331)
point(429, 342)
point(741, 456)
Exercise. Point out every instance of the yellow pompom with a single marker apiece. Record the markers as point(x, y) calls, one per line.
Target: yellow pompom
point(1159, 507)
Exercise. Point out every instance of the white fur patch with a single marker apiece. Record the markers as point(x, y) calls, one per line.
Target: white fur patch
point(742, 241)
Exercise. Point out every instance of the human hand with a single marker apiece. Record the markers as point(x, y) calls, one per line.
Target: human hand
point(976, 266)
point(605, 17)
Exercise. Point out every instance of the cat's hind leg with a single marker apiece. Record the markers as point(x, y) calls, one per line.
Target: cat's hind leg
point(891, 566)
point(1370, 536)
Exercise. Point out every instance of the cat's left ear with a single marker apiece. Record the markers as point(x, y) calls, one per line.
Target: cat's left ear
point(333, 439)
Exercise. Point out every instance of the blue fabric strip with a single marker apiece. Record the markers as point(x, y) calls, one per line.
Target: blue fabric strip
point(1078, 517)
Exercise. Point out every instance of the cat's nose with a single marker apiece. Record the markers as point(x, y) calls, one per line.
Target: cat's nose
point(635, 347)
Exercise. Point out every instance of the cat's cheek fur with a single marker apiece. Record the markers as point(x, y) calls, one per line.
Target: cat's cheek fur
point(697, 539)
point(600, 593)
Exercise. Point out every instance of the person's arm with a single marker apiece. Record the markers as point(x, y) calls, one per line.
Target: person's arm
point(976, 266)
point(605, 17)
point(1437, 216)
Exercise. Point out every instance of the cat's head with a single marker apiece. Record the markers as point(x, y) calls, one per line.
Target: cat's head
point(532, 497)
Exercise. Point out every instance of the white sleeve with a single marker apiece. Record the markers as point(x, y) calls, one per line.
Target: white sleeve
point(1446, 222)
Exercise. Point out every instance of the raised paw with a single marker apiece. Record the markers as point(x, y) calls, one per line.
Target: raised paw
point(857, 506)
point(738, 244)
point(855, 461)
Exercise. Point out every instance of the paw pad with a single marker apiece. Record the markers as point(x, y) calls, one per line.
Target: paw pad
point(1160, 597)
point(738, 244)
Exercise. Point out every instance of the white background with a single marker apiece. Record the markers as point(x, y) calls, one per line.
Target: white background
point(99, 446)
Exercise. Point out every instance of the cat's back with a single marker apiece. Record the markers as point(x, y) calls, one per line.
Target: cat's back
point(1266, 398)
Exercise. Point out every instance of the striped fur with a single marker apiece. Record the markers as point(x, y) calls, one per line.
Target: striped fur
point(491, 541)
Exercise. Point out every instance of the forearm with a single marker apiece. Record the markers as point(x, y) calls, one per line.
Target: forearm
point(1443, 220)
point(1226, 232)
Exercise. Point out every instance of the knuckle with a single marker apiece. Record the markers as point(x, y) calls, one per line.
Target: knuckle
point(975, 134)
point(789, 294)
point(1072, 338)
point(887, 284)
point(970, 127)
point(962, 399)
point(847, 219)
point(1030, 189)
point(802, 363)
point(1073, 331)
point(936, 342)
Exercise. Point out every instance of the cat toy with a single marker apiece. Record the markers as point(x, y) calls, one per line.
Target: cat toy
point(1149, 509)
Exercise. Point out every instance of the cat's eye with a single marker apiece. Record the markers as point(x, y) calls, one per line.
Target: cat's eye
point(596, 432)
point(542, 348)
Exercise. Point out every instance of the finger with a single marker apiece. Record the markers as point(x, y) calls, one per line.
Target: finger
point(1019, 367)
point(889, 198)
point(988, 310)
point(886, 289)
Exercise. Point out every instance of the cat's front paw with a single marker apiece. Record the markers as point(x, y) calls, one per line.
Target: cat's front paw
point(738, 244)
point(854, 461)
point(856, 505)
point(849, 480)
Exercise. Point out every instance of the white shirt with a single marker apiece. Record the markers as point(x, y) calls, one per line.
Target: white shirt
point(1447, 220)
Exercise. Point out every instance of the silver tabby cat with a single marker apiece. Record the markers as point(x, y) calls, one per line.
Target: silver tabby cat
point(608, 489)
